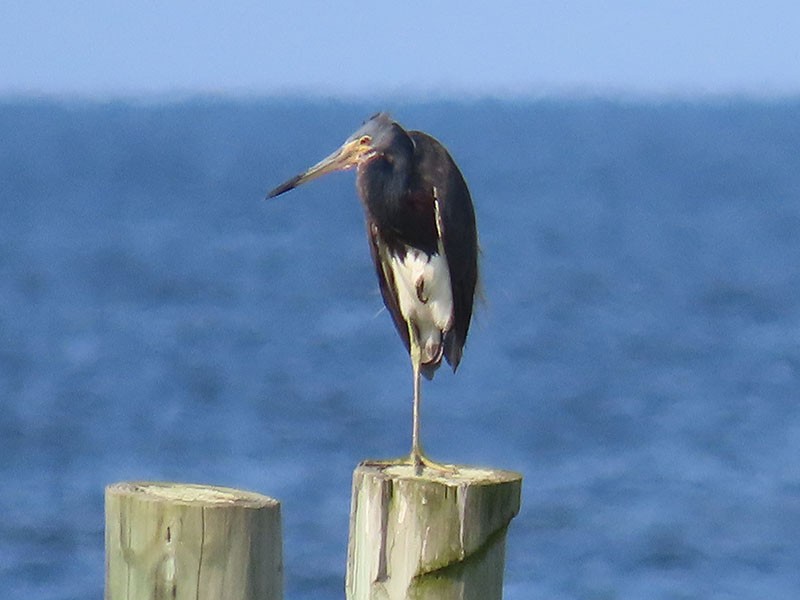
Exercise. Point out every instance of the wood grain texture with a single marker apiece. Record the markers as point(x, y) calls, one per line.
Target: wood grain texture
point(190, 542)
point(435, 536)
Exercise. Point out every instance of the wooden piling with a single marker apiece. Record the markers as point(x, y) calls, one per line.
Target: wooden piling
point(436, 536)
point(190, 542)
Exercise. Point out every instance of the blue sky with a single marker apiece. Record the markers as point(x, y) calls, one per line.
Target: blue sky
point(347, 48)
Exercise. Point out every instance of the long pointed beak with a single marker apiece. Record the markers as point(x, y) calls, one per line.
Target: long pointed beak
point(346, 157)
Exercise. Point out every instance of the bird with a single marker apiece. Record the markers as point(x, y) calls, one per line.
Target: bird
point(423, 241)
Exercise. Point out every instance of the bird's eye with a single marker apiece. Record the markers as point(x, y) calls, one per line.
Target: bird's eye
point(364, 140)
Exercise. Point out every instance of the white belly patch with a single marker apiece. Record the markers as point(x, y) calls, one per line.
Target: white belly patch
point(425, 297)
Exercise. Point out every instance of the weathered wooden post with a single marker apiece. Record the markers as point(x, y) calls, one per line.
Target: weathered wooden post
point(190, 542)
point(431, 537)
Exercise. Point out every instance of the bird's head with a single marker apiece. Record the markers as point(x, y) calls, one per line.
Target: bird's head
point(366, 143)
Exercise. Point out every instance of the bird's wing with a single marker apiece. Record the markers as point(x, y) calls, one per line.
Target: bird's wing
point(437, 172)
point(380, 258)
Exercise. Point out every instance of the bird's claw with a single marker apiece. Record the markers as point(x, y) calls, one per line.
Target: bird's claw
point(421, 464)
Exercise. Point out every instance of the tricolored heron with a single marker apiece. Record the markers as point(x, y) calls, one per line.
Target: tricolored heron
point(423, 240)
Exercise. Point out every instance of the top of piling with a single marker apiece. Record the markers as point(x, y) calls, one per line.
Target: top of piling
point(188, 493)
point(452, 475)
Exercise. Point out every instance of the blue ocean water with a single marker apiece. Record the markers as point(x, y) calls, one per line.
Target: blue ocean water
point(637, 357)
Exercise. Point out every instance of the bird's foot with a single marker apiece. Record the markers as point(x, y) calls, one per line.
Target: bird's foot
point(421, 463)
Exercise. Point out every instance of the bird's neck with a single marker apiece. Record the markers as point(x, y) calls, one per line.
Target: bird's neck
point(383, 185)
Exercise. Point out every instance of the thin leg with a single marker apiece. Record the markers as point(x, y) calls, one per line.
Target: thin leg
point(417, 457)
